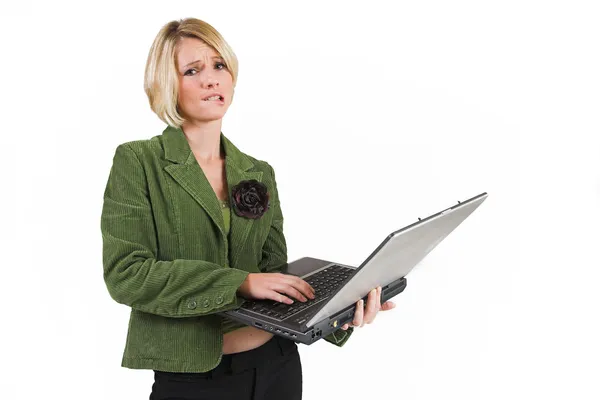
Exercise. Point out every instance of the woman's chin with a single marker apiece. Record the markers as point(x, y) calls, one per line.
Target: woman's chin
point(208, 117)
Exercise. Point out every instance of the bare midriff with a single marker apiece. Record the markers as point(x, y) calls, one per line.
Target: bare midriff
point(244, 339)
point(248, 337)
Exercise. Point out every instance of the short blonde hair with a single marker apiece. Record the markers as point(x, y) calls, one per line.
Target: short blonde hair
point(161, 81)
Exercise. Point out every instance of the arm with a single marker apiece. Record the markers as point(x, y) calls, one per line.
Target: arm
point(274, 254)
point(133, 275)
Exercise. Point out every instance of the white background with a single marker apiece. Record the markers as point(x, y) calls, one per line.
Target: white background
point(372, 115)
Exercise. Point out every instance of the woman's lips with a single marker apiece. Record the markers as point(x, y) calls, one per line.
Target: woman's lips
point(214, 101)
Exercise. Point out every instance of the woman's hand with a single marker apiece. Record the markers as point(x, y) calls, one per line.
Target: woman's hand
point(367, 316)
point(272, 286)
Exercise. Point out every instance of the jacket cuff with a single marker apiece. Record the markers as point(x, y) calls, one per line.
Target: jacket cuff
point(339, 337)
point(218, 300)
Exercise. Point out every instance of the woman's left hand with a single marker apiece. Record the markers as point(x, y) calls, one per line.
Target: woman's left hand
point(368, 314)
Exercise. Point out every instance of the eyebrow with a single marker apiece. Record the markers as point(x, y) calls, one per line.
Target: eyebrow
point(193, 62)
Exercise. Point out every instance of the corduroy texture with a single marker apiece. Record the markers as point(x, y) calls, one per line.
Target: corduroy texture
point(228, 325)
point(167, 255)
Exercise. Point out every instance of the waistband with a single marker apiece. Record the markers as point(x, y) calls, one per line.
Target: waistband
point(276, 347)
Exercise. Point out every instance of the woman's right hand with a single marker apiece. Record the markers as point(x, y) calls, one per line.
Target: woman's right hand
point(273, 286)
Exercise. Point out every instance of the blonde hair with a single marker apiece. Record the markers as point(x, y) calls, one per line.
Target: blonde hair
point(161, 82)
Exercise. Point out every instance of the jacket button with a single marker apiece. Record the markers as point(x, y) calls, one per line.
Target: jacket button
point(192, 304)
point(206, 303)
point(219, 299)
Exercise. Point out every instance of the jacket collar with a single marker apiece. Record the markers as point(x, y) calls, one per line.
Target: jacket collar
point(189, 175)
point(177, 149)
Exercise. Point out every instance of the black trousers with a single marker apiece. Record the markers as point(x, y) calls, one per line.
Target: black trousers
point(271, 371)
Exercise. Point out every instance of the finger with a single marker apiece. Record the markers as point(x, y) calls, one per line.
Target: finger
point(302, 286)
point(371, 304)
point(358, 314)
point(307, 289)
point(311, 288)
point(300, 281)
point(388, 305)
point(377, 304)
point(285, 284)
point(345, 326)
point(274, 295)
point(290, 291)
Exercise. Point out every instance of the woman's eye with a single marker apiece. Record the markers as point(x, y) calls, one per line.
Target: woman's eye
point(194, 69)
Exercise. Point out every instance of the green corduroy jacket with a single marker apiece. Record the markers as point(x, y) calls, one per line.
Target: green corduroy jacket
point(167, 256)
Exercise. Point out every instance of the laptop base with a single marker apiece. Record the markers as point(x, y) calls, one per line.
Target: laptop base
point(324, 327)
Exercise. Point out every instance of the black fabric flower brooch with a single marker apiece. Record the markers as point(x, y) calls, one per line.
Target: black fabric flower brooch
point(250, 199)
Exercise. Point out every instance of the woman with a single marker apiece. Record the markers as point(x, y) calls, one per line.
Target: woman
point(192, 227)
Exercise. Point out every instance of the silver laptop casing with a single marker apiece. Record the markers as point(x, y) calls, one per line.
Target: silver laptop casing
point(397, 255)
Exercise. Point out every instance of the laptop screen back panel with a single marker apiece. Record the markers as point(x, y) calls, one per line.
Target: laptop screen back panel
point(397, 255)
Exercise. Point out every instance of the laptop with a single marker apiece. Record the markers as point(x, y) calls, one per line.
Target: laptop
point(338, 286)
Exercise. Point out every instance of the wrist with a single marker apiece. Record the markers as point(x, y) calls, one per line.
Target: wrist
point(242, 288)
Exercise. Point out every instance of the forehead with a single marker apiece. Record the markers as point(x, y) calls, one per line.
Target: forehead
point(192, 49)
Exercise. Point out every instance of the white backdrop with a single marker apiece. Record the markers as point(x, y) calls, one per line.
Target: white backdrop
point(411, 106)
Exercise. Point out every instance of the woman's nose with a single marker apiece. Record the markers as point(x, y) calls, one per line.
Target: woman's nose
point(209, 81)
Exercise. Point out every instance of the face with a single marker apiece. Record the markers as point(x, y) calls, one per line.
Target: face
point(202, 72)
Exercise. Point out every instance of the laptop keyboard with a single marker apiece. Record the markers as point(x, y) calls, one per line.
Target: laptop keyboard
point(324, 282)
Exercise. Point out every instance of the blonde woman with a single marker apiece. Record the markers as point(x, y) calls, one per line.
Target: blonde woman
point(192, 226)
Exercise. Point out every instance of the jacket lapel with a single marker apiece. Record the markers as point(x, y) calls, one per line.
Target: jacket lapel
point(189, 175)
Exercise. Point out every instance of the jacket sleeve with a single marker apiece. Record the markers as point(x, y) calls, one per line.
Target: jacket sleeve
point(274, 251)
point(339, 337)
point(274, 254)
point(132, 273)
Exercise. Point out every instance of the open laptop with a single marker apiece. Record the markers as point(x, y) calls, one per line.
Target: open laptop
point(338, 287)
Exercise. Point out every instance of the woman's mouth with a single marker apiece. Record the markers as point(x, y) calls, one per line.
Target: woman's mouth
point(215, 99)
